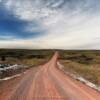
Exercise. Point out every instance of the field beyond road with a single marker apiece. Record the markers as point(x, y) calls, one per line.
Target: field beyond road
point(84, 63)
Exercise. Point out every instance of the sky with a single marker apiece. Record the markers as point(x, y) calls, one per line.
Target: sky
point(50, 24)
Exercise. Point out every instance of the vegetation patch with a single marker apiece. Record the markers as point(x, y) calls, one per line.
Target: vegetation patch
point(83, 63)
point(24, 58)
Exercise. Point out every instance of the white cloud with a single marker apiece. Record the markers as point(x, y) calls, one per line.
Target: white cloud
point(71, 27)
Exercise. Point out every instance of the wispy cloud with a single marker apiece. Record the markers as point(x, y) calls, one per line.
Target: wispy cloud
point(65, 24)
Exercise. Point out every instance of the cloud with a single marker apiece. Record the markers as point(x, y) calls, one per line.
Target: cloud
point(65, 24)
point(10, 25)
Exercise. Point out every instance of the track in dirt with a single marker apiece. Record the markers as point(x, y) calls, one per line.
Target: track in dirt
point(46, 82)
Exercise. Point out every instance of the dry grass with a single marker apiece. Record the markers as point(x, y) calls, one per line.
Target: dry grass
point(90, 72)
point(89, 69)
point(29, 58)
point(26, 61)
point(34, 62)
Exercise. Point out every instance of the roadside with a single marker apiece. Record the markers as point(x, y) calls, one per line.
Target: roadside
point(9, 71)
point(7, 87)
point(62, 65)
point(14, 62)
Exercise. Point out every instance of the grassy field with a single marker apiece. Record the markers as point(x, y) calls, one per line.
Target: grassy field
point(83, 63)
point(29, 58)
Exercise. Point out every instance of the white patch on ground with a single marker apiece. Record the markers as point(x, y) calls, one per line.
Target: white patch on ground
point(79, 78)
point(14, 67)
point(14, 76)
point(8, 78)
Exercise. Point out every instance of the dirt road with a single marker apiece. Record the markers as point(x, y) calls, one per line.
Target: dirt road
point(46, 82)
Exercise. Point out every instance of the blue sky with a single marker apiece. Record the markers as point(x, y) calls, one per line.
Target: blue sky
point(60, 24)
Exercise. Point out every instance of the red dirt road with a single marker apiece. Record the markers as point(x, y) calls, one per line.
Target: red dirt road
point(46, 82)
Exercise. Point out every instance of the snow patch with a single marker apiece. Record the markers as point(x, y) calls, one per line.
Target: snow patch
point(8, 78)
point(14, 67)
point(9, 67)
point(14, 76)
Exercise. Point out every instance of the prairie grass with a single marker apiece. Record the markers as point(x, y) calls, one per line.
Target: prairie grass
point(84, 64)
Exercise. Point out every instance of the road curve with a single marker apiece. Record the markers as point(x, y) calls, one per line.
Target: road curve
point(46, 82)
